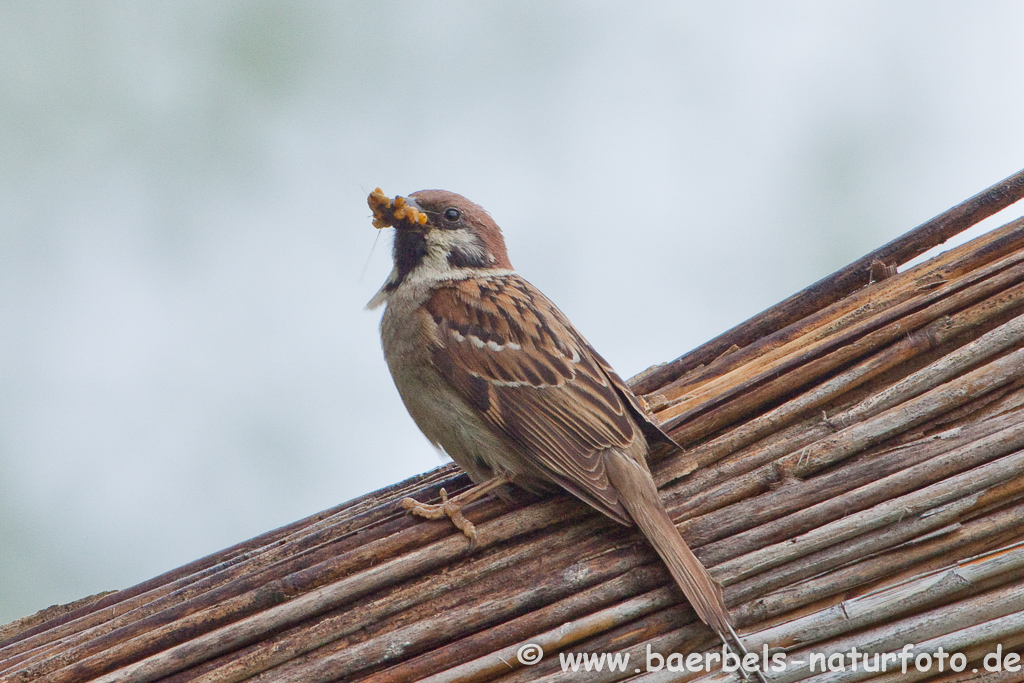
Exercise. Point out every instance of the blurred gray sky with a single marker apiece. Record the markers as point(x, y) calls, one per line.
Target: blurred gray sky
point(184, 358)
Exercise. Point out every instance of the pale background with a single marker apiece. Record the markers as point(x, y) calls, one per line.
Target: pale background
point(185, 248)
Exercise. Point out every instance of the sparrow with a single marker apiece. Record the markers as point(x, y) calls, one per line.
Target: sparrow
point(499, 379)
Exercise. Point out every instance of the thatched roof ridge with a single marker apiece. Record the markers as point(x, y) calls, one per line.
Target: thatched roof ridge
point(854, 476)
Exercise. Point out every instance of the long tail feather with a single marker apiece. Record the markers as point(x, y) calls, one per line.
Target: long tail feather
point(639, 496)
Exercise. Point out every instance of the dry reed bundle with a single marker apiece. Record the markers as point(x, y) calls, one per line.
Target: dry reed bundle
point(854, 478)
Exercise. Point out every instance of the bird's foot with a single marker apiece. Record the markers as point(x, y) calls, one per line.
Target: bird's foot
point(450, 508)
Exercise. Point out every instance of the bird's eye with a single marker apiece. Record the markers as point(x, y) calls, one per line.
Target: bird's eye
point(452, 214)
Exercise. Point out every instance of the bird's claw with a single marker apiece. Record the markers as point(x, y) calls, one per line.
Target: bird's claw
point(446, 508)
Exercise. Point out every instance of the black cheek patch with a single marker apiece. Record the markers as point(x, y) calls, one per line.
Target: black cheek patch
point(458, 258)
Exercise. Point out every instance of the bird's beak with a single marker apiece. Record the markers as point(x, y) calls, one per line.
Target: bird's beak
point(397, 212)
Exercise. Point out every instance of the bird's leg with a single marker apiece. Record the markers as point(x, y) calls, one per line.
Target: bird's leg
point(452, 507)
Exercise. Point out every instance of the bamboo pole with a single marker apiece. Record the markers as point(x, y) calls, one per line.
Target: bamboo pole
point(942, 331)
point(481, 581)
point(858, 308)
point(842, 282)
point(866, 486)
point(213, 581)
point(837, 446)
point(919, 593)
point(889, 512)
point(979, 619)
point(820, 351)
point(980, 535)
point(932, 336)
point(241, 632)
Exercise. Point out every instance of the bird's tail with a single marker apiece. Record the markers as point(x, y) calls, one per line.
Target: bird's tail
point(639, 496)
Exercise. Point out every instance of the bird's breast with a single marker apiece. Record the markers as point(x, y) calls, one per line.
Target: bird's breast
point(443, 416)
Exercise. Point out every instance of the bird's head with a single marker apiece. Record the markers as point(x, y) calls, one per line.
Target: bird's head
point(439, 236)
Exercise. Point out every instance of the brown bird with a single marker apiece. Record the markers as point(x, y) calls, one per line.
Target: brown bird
point(496, 376)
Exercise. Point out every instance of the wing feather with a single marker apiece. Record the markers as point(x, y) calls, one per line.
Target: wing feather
point(512, 354)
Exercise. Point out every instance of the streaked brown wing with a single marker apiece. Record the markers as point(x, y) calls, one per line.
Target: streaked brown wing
point(511, 353)
point(651, 429)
